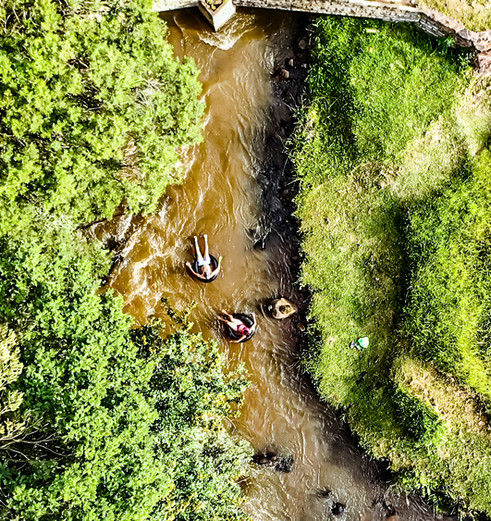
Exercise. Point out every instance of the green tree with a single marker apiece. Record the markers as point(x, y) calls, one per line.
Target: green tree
point(193, 397)
point(129, 423)
point(93, 109)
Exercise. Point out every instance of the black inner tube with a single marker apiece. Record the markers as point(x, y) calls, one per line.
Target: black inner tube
point(214, 265)
point(235, 335)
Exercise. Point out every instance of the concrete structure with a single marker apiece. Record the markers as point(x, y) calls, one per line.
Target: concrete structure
point(428, 20)
point(220, 16)
point(172, 5)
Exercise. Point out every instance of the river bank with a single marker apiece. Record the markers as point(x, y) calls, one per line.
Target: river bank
point(392, 152)
point(280, 185)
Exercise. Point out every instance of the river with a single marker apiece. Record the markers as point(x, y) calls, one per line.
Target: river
point(232, 191)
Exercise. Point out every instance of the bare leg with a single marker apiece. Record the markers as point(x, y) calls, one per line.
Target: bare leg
point(228, 315)
point(207, 252)
point(198, 251)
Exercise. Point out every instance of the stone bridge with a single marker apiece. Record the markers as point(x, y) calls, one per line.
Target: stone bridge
point(428, 20)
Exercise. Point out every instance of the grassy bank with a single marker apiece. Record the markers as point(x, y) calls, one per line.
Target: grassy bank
point(392, 154)
point(475, 15)
point(98, 420)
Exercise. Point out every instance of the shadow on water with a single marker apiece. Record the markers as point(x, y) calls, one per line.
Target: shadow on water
point(238, 190)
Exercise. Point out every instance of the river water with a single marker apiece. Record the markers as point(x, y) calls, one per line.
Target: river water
point(222, 196)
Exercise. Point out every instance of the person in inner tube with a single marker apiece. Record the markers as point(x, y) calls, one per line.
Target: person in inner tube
point(204, 262)
point(236, 324)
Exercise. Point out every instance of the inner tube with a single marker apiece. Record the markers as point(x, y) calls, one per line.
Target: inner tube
point(214, 265)
point(235, 335)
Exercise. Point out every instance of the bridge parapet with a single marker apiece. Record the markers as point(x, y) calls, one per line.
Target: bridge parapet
point(428, 20)
point(172, 5)
point(389, 11)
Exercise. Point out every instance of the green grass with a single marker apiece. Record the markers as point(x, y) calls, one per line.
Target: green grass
point(394, 207)
point(449, 306)
point(474, 14)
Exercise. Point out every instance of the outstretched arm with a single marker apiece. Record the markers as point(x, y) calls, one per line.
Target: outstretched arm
point(217, 269)
point(243, 337)
point(253, 321)
point(190, 268)
point(228, 315)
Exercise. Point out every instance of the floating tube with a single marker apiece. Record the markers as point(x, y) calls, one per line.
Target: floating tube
point(214, 265)
point(235, 335)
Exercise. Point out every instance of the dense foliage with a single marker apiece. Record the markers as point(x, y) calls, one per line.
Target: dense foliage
point(98, 420)
point(121, 423)
point(393, 157)
point(91, 102)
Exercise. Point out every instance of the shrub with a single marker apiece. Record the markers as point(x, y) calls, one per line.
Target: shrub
point(92, 102)
point(127, 425)
point(94, 109)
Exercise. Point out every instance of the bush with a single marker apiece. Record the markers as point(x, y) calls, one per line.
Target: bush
point(122, 423)
point(92, 102)
point(94, 109)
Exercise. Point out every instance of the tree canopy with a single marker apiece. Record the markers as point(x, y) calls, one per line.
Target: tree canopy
point(93, 108)
point(120, 423)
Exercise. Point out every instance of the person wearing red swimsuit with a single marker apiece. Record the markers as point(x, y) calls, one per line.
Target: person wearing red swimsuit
point(237, 325)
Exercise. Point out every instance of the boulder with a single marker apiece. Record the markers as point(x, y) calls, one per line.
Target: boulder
point(282, 308)
point(271, 459)
point(338, 508)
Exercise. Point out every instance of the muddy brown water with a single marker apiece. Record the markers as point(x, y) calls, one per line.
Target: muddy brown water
point(222, 197)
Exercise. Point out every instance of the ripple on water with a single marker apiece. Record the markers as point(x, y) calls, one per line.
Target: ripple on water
point(230, 34)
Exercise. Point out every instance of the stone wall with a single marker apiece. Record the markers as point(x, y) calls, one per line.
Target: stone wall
point(172, 5)
point(428, 20)
point(389, 11)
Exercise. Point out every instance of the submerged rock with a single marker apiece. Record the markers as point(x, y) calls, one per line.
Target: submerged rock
point(271, 459)
point(267, 459)
point(338, 508)
point(285, 464)
point(281, 74)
